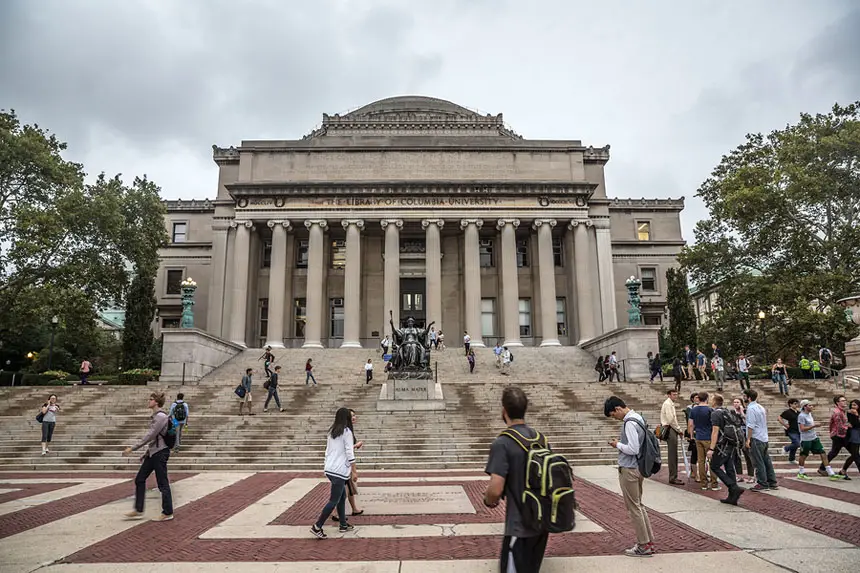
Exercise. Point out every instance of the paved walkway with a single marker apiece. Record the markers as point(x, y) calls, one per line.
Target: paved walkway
point(431, 522)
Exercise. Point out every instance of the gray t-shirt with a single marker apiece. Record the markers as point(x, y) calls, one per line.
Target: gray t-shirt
point(805, 419)
point(508, 459)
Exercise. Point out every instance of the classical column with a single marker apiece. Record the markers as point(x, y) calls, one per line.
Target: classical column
point(584, 296)
point(432, 228)
point(510, 281)
point(277, 283)
point(314, 295)
point(546, 268)
point(605, 274)
point(472, 276)
point(241, 256)
point(217, 294)
point(391, 279)
point(352, 284)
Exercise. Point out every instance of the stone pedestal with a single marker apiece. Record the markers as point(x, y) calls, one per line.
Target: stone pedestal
point(405, 394)
point(190, 354)
point(852, 358)
point(631, 345)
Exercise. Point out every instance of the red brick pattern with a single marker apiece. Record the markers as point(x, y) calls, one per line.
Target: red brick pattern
point(25, 519)
point(29, 489)
point(178, 539)
point(824, 491)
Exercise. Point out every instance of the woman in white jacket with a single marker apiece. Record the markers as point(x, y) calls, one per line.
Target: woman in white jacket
point(339, 457)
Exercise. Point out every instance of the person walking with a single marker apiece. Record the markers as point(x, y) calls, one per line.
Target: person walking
point(507, 358)
point(805, 367)
point(309, 372)
point(700, 365)
point(385, 345)
point(743, 368)
point(816, 370)
point(757, 443)
point(470, 358)
point(522, 546)
point(810, 443)
point(689, 361)
point(839, 428)
point(669, 422)
point(268, 359)
point(701, 427)
point(49, 421)
point(154, 459)
point(723, 451)
point(656, 368)
point(853, 415)
point(788, 420)
point(738, 407)
point(628, 445)
point(352, 483)
point(613, 367)
point(779, 373)
point(600, 368)
point(718, 367)
point(272, 390)
point(368, 371)
point(497, 351)
point(86, 370)
point(179, 414)
point(691, 437)
point(677, 371)
point(339, 458)
point(434, 338)
point(246, 399)
point(467, 342)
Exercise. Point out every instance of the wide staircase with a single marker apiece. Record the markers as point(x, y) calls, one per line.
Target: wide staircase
point(565, 403)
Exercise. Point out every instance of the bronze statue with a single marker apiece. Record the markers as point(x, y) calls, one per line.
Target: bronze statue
point(411, 345)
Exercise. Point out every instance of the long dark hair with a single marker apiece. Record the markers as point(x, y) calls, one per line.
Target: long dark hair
point(342, 421)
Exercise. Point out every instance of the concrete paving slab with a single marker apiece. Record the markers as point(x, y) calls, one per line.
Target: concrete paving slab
point(812, 499)
point(87, 485)
point(415, 500)
point(831, 561)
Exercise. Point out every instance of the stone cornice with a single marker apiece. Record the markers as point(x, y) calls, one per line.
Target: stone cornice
point(192, 205)
point(222, 155)
point(548, 188)
point(648, 204)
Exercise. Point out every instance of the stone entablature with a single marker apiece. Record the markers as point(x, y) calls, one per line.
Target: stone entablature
point(198, 205)
point(643, 203)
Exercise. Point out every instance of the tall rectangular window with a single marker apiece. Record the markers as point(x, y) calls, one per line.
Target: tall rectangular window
point(338, 254)
point(561, 316)
point(299, 317)
point(525, 317)
point(180, 232)
point(264, 317)
point(302, 254)
point(488, 317)
point(174, 282)
point(557, 252)
point(267, 254)
point(486, 253)
point(649, 279)
point(337, 318)
point(170, 322)
point(522, 253)
point(643, 230)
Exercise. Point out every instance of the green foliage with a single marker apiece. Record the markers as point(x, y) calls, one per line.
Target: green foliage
point(682, 317)
point(153, 356)
point(29, 379)
point(139, 312)
point(56, 374)
point(783, 237)
point(138, 376)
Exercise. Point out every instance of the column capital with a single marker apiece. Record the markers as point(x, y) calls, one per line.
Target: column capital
point(536, 224)
point(500, 224)
point(601, 223)
point(574, 222)
point(427, 222)
point(466, 222)
point(345, 223)
point(247, 224)
point(272, 223)
point(396, 222)
point(311, 222)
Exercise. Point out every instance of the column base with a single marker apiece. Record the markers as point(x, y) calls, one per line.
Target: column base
point(351, 344)
point(512, 343)
point(274, 344)
point(477, 344)
point(312, 344)
point(240, 343)
point(550, 342)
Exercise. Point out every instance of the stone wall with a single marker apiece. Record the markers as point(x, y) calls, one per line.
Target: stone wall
point(190, 354)
point(631, 344)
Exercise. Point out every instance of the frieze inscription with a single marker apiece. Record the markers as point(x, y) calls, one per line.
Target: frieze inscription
point(419, 201)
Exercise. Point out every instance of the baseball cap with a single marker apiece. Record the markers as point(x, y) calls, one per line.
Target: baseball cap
point(805, 403)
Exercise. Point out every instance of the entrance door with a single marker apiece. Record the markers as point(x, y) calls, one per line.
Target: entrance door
point(413, 301)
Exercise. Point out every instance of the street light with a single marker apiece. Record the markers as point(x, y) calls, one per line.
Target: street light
point(55, 320)
point(761, 317)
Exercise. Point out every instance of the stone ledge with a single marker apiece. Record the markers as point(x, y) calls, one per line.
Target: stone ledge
point(189, 354)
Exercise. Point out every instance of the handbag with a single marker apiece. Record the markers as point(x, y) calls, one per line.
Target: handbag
point(266, 385)
point(240, 391)
point(40, 416)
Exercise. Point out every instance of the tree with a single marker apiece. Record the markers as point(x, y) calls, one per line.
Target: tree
point(783, 236)
point(682, 318)
point(137, 333)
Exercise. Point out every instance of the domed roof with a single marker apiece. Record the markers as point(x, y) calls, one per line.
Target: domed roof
point(411, 103)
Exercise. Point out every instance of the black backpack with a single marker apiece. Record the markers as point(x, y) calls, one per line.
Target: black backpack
point(169, 435)
point(511, 354)
point(732, 432)
point(649, 459)
point(179, 411)
point(548, 502)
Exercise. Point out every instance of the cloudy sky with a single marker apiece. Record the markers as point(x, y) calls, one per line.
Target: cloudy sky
point(148, 86)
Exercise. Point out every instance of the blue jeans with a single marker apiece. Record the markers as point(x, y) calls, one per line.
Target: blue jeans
point(337, 499)
point(795, 444)
point(783, 383)
point(310, 376)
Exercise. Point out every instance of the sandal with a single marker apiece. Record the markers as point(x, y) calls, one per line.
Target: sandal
point(358, 512)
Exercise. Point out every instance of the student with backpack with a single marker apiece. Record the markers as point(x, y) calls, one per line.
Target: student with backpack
point(636, 452)
point(727, 439)
point(160, 438)
point(531, 512)
point(179, 415)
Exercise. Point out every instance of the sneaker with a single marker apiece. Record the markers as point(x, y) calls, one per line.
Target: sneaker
point(774, 487)
point(134, 515)
point(163, 517)
point(283, 410)
point(844, 476)
point(705, 487)
point(639, 551)
point(44, 452)
point(804, 476)
point(346, 528)
point(676, 482)
point(837, 477)
point(265, 410)
point(758, 487)
point(792, 462)
point(822, 473)
point(716, 488)
point(318, 532)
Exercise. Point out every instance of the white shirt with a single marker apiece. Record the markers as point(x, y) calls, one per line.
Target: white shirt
point(339, 455)
point(507, 357)
point(743, 365)
point(467, 339)
point(613, 359)
point(368, 366)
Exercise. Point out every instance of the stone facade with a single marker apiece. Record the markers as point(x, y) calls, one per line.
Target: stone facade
point(420, 207)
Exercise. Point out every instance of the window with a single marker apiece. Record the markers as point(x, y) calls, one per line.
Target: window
point(522, 253)
point(299, 312)
point(174, 282)
point(264, 317)
point(337, 318)
point(302, 254)
point(652, 320)
point(170, 323)
point(180, 232)
point(338, 254)
point(525, 317)
point(488, 317)
point(643, 230)
point(412, 301)
point(267, 254)
point(561, 317)
point(487, 256)
point(557, 252)
point(649, 279)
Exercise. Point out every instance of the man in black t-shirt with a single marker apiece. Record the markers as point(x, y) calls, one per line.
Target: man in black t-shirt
point(522, 547)
point(722, 453)
point(788, 419)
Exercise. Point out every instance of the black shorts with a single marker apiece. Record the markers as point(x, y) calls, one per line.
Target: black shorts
point(526, 553)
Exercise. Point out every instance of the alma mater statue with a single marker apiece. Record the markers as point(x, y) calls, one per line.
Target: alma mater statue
point(411, 345)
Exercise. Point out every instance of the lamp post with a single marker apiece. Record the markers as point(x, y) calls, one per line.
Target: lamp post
point(55, 320)
point(761, 317)
point(188, 287)
point(634, 313)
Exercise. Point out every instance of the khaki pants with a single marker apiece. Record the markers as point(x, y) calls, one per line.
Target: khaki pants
point(672, 447)
point(702, 447)
point(631, 488)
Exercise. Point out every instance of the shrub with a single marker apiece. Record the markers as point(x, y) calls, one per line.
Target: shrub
point(56, 374)
point(28, 379)
point(137, 377)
